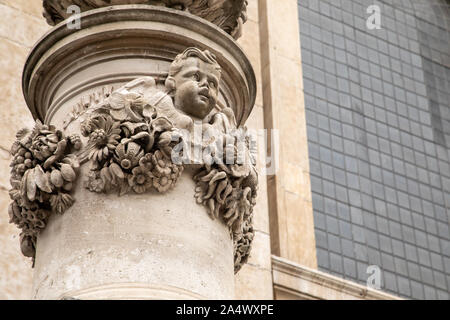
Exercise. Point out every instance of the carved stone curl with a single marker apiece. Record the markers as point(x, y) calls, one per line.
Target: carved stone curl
point(229, 192)
point(42, 176)
point(229, 15)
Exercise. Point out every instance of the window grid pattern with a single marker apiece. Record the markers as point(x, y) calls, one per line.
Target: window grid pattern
point(378, 120)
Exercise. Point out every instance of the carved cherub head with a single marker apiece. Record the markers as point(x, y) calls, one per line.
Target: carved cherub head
point(193, 82)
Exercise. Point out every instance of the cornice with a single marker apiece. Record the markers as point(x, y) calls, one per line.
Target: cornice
point(333, 286)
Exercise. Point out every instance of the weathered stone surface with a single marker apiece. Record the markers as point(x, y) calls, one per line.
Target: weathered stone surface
point(229, 15)
point(29, 7)
point(14, 112)
point(129, 107)
point(16, 273)
point(21, 25)
point(251, 284)
point(26, 28)
point(145, 240)
point(143, 24)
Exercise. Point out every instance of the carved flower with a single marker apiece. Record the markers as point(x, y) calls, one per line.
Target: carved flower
point(162, 165)
point(75, 141)
point(94, 182)
point(146, 162)
point(140, 180)
point(128, 155)
point(127, 106)
point(166, 173)
point(103, 138)
point(45, 143)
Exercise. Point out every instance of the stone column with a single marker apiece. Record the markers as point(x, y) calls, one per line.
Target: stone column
point(104, 209)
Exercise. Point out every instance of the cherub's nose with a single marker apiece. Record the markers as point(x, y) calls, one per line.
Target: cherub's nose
point(203, 82)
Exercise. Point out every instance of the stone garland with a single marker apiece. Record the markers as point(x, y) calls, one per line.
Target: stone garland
point(128, 149)
point(42, 176)
point(230, 194)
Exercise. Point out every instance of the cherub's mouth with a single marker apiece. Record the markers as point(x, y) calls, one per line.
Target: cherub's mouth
point(204, 93)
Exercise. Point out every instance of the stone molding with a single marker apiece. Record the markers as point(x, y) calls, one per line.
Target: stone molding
point(293, 281)
point(61, 48)
point(132, 291)
point(229, 15)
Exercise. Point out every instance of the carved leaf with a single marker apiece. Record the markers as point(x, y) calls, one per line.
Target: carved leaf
point(106, 176)
point(117, 170)
point(124, 188)
point(61, 202)
point(61, 147)
point(131, 126)
point(23, 185)
point(217, 177)
point(161, 124)
point(31, 185)
point(149, 111)
point(42, 180)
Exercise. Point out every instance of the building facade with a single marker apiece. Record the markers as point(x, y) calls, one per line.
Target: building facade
point(377, 111)
point(356, 127)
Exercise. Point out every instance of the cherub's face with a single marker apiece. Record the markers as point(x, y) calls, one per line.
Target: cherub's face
point(197, 85)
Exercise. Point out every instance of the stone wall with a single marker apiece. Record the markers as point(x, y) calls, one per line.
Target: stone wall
point(20, 27)
point(254, 281)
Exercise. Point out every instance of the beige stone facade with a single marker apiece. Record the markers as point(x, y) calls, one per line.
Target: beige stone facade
point(22, 25)
point(283, 262)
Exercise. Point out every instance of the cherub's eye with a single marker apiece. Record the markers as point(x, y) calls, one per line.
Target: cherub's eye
point(212, 84)
point(196, 77)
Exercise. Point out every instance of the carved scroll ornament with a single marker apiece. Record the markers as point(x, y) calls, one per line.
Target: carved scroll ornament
point(132, 134)
point(229, 15)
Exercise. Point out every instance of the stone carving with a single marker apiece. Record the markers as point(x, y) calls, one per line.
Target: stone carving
point(229, 15)
point(85, 102)
point(141, 137)
point(229, 191)
point(129, 145)
point(42, 176)
point(133, 132)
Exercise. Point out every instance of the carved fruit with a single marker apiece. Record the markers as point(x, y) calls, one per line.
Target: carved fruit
point(27, 246)
point(67, 172)
point(68, 186)
point(57, 178)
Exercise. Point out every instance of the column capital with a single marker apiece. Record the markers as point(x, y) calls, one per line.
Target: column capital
point(229, 15)
point(139, 168)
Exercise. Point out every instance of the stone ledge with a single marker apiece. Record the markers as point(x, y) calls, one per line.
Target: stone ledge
point(132, 291)
point(296, 282)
